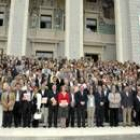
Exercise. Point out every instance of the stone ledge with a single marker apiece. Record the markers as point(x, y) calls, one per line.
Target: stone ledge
point(68, 132)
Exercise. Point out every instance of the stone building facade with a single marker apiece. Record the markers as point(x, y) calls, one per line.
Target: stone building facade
point(106, 29)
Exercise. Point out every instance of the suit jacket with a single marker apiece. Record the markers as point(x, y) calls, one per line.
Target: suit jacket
point(79, 97)
point(58, 85)
point(136, 104)
point(53, 95)
point(127, 101)
point(106, 96)
point(72, 100)
point(98, 99)
point(8, 102)
point(20, 95)
point(45, 95)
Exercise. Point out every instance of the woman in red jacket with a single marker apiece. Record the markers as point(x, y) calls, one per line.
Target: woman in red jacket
point(63, 101)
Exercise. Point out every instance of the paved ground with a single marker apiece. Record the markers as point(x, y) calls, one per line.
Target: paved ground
point(107, 133)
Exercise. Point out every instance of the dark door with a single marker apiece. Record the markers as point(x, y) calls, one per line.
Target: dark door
point(95, 57)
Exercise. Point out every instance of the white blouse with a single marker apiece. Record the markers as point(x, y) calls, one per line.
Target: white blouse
point(91, 101)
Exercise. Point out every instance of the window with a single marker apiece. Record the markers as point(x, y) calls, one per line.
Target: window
point(91, 24)
point(92, 1)
point(1, 18)
point(46, 22)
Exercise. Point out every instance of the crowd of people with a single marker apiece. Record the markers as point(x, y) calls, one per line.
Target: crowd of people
point(59, 92)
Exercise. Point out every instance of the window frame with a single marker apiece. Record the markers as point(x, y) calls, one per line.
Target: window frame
point(93, 18)
point(91, 1)
point(46, 15)
point(2, 19)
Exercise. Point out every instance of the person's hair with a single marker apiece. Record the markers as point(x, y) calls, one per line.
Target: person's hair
point(5, 85)
point(116, 87)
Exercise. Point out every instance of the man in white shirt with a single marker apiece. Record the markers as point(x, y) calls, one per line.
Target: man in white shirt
point(17, 107)
point(71, 114)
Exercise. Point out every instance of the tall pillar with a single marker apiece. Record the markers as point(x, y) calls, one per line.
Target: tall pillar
point(18, 25)
point(74, 29)
point(134, 15)
point(123, 39)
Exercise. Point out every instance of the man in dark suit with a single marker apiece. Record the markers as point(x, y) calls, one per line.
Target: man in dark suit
point(137, 107)
point(26, 105)
point(53, 106)
point(106, 105)
point(127, 106)
point(17, 107)
point(81, 106)
point(99, 103)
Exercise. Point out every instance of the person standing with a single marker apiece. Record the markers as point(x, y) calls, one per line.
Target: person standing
point(53, 106)
point(81, 106)
point(71, 114)
point(91, 107)
point(26, 106)
point(63, 101)
point(99, 103)
point(44, 92)
point(36, 105)
point(106, 110)
point(7, 101)
point(1, 114)
point(137, 107)
point(29, 99)
point(17, 107)
point(114, 104)
point(127, 106)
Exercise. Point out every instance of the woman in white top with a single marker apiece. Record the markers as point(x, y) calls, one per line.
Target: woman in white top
point(114, 104)
point(36, 105)
point(90, 107)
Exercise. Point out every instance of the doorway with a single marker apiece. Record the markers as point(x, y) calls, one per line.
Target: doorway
point(95, 57)
point(44, 54)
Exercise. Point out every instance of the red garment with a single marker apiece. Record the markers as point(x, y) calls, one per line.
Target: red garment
point(62, 97)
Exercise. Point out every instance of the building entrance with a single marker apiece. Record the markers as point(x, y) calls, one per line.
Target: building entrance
point(92, 56)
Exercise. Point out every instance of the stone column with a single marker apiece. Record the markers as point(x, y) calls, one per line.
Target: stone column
point(134, 15)
point(74, 29)
point(123, 39)
point(18, 25)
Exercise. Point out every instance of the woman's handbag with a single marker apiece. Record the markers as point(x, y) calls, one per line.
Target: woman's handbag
point(37, 116)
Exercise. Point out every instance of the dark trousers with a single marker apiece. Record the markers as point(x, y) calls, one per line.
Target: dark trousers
point(35, 123)
point(26, 113)
point(99, 116)
point(114, 113)
point(17, 114)
point(106, 112)
point(81, 115)
point(71, 117)
point(7, 118)
point(137, 119)
point(53, 113)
